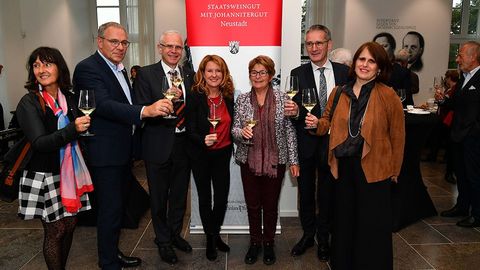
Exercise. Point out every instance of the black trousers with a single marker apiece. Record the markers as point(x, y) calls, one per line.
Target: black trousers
point(315, 211)
point(362, 223)
point(110, 188)
point(213, 170)
point(168, 186)
point(467, 168)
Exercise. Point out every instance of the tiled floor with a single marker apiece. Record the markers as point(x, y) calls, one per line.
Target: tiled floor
point(433, 243)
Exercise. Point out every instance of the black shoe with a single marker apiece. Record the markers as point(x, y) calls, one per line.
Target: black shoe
point(454, 212)
point(181, 244)
point(469, 222)
point(221, 245)
point(302, 246)
point(168, 254)
point(269, 254)
point(211, 247)
point(323, 252)
point(450, 178)
point(127, 262)
point(252, 253)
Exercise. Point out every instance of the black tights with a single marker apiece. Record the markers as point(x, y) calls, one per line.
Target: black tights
point(57, 242)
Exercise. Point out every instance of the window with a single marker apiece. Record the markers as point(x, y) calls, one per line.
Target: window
point(464, 26)
point(137, 17)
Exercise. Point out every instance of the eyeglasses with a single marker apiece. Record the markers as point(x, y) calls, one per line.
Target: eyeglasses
point(310, 44)
point(116, 42)
point(172, 47)
point(255, 73)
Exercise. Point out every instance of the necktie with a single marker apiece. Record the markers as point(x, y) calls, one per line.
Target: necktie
point(178, 106)
point(322, 89)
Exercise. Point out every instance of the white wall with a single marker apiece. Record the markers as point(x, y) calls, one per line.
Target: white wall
point(28, 24)
point(169, 15)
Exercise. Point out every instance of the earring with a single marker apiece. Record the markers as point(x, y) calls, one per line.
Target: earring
point(378, 72)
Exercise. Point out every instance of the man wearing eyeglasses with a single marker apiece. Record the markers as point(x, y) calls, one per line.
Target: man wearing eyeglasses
point(109, 151)
point(315, 176)
point(164, 145)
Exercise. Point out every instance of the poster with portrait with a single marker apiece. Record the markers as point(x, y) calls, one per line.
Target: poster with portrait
point(237, 31)
point(403, 25)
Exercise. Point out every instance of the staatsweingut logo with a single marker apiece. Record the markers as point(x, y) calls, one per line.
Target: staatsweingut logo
point(234, 46)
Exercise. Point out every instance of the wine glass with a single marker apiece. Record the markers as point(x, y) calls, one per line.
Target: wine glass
point(177, 82)
point(401, 94)
point(309, 100)
point(291, 87)
point(213, 117)
point(251, 122)
point(169, 93)
point(438, 85)
point(86, 104)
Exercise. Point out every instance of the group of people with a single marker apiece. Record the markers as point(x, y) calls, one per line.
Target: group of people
point(344, 166)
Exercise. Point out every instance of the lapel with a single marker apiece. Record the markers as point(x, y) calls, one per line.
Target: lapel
point(113, 79)
point(472, 81)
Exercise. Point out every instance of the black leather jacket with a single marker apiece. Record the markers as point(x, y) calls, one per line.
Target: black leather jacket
point(41, 131)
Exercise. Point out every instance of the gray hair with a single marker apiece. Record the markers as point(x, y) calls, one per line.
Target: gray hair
point(342, 56)
point(169, 32)
point(319, 27)
point(103, 28)
point(474, 48)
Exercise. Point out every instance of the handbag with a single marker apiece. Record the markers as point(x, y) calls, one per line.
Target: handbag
point(324, 140)
point(15, 161)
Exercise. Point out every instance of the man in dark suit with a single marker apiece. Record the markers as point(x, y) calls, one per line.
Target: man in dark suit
point(322, 75)
point(109, 152)
point(466, 135)
point(164, 146)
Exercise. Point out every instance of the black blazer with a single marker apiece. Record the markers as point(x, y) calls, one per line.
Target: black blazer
point(197, 124)
point(402, 78)
point(113, 117)
point(466, 105)
point(158, 134)
point(307, 143)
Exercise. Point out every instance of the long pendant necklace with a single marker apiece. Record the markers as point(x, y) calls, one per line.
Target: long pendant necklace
point(361, 120)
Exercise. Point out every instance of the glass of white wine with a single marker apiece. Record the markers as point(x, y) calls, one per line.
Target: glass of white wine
point(401, 94)
point(309, 100)
point(291, 87)
point(213, 117)
point(169, 94)
point(250, 122)
point(86, 104)
point(177, 82)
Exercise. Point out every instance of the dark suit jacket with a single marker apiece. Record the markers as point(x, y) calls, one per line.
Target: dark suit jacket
point(197, 123)
point(158, 134)
point(307, 143)
point(466, 105)
point(401, 78)
point(113, 117)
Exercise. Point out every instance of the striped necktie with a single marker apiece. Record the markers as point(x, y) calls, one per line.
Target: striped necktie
point(322, 89)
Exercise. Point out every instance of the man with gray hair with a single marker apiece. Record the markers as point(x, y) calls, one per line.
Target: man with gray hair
point(165, 145)
point(109, 153)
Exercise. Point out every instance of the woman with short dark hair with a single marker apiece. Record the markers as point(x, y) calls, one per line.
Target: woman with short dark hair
point(56, 180)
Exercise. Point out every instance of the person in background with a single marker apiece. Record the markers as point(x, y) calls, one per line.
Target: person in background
point(401, 57)
point(263, 163)
point(211, 145)
point(110, 151)
point(466, 135)
point(341, 56)
point(440, 136)
point(367, 137)
point(415, 43)
point(56, 180)
point(315, 183)
point(133, 74)
point(165, 145)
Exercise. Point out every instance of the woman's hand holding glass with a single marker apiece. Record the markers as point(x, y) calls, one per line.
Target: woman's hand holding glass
point(295, 170)
point(247, 131)
point(210, 139)
point(82, 123)
point(311, 121)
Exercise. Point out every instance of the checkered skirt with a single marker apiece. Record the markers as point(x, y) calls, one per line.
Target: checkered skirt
point(39, 197)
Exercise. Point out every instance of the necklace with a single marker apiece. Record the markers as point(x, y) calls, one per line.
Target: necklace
point(361, 120)
point(219, 103)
